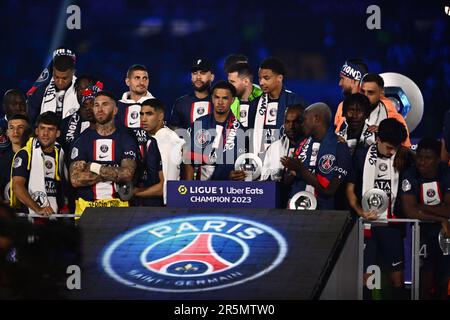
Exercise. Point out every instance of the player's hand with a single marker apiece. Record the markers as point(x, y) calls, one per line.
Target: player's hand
point(370, 215)
point(372, 128)
point(45, 211)
point(341, 139)
point(238, 175)
point(446, 226)
point(292, 164)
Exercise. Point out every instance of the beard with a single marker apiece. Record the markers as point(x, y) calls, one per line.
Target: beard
point(346, 91)
point(204, 87)
point(106, 119)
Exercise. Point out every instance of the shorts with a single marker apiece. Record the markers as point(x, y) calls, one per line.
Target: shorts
point(384, 245)
point(434, 261)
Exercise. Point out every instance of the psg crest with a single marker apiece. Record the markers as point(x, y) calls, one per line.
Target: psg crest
point(251, 164)
point(303, 200)
point(375, 200)
point(193, 254)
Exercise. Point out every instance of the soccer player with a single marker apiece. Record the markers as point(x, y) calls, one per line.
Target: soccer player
point(14, 102)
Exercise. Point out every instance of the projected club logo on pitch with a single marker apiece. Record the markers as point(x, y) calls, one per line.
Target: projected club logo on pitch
point(194, 254)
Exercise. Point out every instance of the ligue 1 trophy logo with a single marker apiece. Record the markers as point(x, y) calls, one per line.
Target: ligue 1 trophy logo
point(303, 200)
point(251, 164)
point(375, 200)
point(444, 243)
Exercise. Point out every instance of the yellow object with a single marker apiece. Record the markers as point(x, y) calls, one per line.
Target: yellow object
point(81, 205)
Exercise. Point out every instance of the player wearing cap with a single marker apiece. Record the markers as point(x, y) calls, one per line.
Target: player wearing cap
point(102, 158)
point(190, 107)
point(57, 94)
point(216, 140)
point(267, 111)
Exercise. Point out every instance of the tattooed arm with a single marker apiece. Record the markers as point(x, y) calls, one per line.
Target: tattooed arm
point(124, 173)
point(80, 176)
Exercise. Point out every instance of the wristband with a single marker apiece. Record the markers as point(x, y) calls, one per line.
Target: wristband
point(95, 168)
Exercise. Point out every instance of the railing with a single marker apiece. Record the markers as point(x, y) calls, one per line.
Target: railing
point(416, 253)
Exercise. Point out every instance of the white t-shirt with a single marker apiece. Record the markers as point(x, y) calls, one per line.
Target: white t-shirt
point(170, 146)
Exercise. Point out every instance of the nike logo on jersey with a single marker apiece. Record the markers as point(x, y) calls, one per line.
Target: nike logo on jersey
point(103, 157)
point(133, 123)
point(396, 263)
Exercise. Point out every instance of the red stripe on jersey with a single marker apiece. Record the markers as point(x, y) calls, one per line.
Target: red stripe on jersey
point(126, 117)
point(324, 182)
point(192, 111)
point(209, 107)
point(95, 150)
point(439, 192)
point(113, 146)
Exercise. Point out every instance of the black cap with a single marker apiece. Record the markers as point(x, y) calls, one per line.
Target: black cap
point(201, 64)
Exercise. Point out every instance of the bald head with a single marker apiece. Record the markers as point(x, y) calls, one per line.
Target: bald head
point(322, 111)
point(317, 119)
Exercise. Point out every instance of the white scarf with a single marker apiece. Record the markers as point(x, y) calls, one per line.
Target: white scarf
point(70, 102)
point(272, 165)
point(366, 138)
point(369, 176)
point(264, 117)
point(38, 171)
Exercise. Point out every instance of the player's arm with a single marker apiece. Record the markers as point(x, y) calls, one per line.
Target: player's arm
point(155, 190)
point(122, 174)
point(81, 176)
point(355, 204)
point(188, 172)
point(414, 210)
point(21, 192)
point(441, 210)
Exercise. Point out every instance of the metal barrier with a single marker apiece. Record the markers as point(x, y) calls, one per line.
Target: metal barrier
point(30, 216)
point(416, 253)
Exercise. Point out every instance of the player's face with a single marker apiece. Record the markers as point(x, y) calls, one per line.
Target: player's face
point(104, 109)
point(426, 161)
point(15, 104)
point(269, 81)
point(372, 91)
point(16, 129)
point(355, 117)
point(138, 82)
point(87, 110)
point(150, 118)
point(238, 83)
point(293, 124)
point(346, 85)
point(222, 100)
point(386, 149)
point(309, 122)
point(201, 80)
point(47, 134)
point(80, 87)
point(63, 79)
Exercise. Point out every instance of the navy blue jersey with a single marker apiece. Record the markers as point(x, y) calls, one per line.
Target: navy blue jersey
point(326, 159)
point(215, 146)
point(5, 144)
point(152, 167)
point(426, 191)
point(128, 118)
point(105, 150)
point(268, 115)
point(6, 159)
point(446, 134)
point(188, 109)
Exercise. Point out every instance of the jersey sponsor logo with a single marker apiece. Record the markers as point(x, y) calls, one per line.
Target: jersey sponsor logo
point(384, 185)
point(192, 254)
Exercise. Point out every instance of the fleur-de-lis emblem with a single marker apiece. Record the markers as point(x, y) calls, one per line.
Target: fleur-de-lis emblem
point(187, 268)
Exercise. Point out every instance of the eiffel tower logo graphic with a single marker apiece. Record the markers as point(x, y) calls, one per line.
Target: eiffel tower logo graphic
point(199, 250)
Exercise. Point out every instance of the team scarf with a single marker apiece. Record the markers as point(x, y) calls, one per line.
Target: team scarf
point(225, 137)
point(320, 159)
point(369, 176)
point(69, 104)
point(272, 166)
point(267, 121)
point(36, 182)
point(366, 137)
